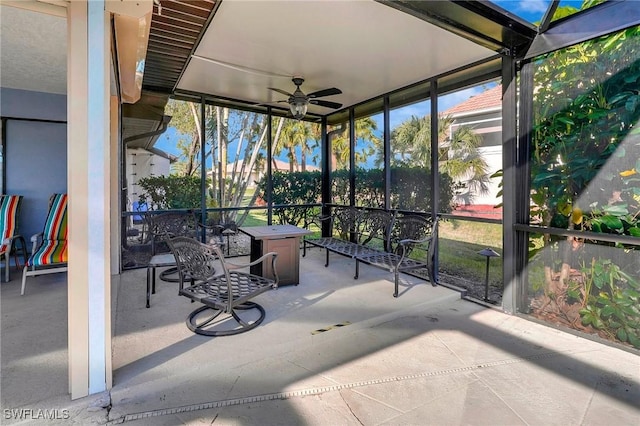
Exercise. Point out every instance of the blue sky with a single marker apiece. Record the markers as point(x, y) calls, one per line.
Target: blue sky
point(532, 10)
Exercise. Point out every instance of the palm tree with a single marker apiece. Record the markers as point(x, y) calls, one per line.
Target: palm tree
point(184, 115)
point(458, 153)
point(339, 139)
point(311, 142)
point(292, 134)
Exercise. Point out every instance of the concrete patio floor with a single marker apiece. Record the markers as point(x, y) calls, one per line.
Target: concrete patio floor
point(427, 357)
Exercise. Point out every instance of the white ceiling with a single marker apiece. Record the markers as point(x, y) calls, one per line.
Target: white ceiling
point(362, 47)
point(33, 51)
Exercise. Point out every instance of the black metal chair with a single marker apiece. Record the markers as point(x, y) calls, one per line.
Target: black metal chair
point(160, 228)
point(223, 293)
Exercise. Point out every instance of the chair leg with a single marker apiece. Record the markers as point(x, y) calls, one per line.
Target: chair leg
point(432, 275)
point(150, 270)
point(24, 279)
point(396, 280)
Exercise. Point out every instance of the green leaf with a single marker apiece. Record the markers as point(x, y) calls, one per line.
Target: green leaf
point(634, 340)
point(631, 104)
point(607, 311)
point(614, 324)
point(566, 120)
point(621, 335)
point(635, 231)
point(616, 210)
point(620, 96)
point(611, 222)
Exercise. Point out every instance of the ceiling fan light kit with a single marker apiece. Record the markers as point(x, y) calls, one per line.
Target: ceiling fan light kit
point(298, 108)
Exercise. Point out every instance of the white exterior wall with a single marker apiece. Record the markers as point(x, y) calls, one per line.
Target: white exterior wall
point(488, 124)
point(141, 163)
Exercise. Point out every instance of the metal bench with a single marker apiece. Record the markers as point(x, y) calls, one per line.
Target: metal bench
point(358, 232)
point(394, 242)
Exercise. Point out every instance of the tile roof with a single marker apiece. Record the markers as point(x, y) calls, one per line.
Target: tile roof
point(489, 99)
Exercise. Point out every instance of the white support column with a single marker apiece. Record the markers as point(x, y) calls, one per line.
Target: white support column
point(88, 188)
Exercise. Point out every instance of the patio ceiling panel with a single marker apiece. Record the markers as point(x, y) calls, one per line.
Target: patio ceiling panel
point(364, 48)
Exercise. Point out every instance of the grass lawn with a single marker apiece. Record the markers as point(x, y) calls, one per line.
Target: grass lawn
point(459, 244)
point(256, 218)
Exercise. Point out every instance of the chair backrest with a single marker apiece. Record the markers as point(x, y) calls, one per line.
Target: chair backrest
point(413, 227)
point(345, 222)
point(55, 227)
point(195, 260)
point(9, 207)
point(163, 226)
point(373, 228)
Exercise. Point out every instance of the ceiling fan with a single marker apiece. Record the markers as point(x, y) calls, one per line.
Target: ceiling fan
point(298, 101)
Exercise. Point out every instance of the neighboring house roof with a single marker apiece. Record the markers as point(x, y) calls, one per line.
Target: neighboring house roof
point(284, 165)
point(280, 164)
point(490, 99)
point(172, 158)
point(155, 151)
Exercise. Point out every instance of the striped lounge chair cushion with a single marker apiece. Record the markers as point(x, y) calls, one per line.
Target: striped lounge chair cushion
point(50, 252)
point(53, 249)
point(8, 218)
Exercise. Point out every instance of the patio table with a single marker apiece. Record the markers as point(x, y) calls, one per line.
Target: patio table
point(284, 240)
point(157, 261)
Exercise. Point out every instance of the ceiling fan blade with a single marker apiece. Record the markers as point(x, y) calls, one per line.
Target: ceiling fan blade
point(325, 92)
point(280, 91)
point(327, 104)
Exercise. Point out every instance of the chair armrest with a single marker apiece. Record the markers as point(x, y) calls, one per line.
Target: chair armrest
point(317, 220)
point(409, 241)
point(36, 239)
point(407, 244)
point(211, 227)
point(261, 259)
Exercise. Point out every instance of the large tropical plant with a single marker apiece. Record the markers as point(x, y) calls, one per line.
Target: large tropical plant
point(585, 155)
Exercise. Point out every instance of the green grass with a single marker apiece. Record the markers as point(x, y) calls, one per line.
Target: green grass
point(459, 244)
point(256, 218)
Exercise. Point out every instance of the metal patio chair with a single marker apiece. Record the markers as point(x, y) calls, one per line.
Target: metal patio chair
point(226, 292)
